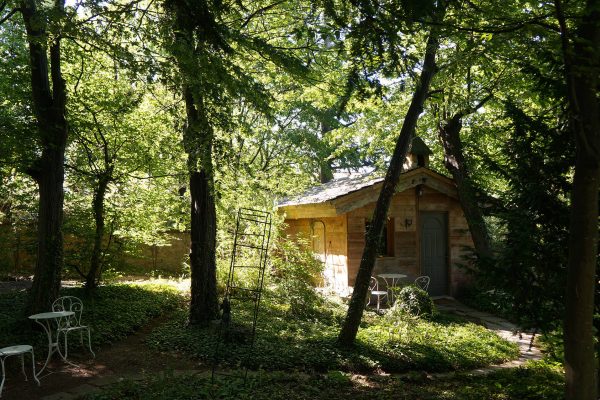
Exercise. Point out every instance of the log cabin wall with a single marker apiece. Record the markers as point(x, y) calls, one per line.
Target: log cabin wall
point(404, 218)
point(405, 251)
point(327, 238)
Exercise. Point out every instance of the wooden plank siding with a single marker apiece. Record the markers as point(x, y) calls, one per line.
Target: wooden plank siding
point(422, 191)
point(334, 243)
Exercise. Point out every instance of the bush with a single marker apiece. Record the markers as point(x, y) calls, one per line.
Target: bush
point(297, 344)
point(414, 301)
point(296, 272)
point(534, 381)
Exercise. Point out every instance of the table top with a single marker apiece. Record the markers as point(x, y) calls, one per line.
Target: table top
point(392, 276)
point(52, 314)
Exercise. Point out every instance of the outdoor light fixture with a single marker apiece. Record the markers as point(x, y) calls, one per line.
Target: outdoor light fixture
point(407, 222)
point(420, 190)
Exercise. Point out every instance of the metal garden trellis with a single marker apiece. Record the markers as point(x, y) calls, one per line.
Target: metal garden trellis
point(244, 285)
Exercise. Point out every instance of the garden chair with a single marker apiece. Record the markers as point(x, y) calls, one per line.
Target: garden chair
point(72, 323)
point(374, 291)
point(422, 282)
point(19, 350)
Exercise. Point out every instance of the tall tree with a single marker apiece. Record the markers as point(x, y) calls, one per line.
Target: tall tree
point(49, 106)
point(208, 40)
point(118, 140)
point(357, 302)
point(455, 163)
point(581, 54)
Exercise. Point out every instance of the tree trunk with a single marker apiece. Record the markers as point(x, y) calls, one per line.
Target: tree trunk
point(325, 168)
point(198, 142)
point(580, 362)
point(582, 71)
point(92, 279)
point(361, 286)
point(198, 135)
point(204, 304)
point(325, 172)
point(454, 161)
point(49, 100)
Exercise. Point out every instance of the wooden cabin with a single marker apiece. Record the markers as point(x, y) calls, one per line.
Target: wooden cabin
point(426, 232)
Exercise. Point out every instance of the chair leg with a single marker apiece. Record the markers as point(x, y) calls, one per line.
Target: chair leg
point(90, 343)
point(33, 368)
point(23, 365)
point(66, 343)
point(3, 375)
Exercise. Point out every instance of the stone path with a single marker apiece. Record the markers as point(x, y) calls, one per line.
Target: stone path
point(502, 328)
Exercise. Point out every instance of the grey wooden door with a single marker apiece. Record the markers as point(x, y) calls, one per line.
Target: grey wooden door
point(434, 246)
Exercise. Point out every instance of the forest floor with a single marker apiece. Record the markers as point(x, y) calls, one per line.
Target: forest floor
point(128, 359)
point(132, 359)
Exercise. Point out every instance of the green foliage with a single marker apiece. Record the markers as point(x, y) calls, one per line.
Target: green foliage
point(116, 311)
point(113, 312)
point(296, 273)
point(534, 381)
point(412, 300)
point(529, 273)
point(309, 344)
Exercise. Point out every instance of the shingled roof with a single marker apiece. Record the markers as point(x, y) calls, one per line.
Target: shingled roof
point(333, 189)
point(343, 186)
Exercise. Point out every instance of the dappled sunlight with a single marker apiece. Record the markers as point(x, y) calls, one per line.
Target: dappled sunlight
point(181, 284)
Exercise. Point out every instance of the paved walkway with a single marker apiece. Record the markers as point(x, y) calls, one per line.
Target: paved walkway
point(502, 328)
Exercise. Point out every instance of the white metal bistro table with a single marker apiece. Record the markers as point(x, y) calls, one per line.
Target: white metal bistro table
point(47, 320)
point(394, 279)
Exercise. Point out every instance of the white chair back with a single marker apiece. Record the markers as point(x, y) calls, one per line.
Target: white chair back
point(422, 282)
point(373, 284)
point(69, 303)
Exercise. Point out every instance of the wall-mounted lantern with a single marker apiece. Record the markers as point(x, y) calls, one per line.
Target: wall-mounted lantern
point(419, 190)
point(407, 222)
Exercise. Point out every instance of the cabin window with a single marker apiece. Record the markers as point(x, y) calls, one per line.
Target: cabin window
point(385, 246)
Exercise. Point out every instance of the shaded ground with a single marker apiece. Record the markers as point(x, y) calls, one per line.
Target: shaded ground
point(128, 358)
point(132, 359)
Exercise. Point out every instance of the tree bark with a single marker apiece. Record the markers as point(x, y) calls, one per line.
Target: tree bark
point(325, 168)
point(92, 278)
point(454, 161)
point(203, 260)
point(581, 55)
point(204, 304)
point(49, 100)
point(198, 142)
point(357, 302)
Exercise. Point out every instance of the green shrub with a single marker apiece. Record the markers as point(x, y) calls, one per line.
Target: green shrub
point(414, 301)
point(534, 381)
point(297, 344)
point(296, 272)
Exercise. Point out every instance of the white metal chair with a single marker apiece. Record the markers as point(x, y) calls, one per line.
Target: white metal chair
point(374, 291)
point(422, 282)
point(72, 323)
point(19, 350)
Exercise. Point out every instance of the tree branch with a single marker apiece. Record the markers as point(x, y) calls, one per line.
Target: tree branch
point(9, 15)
